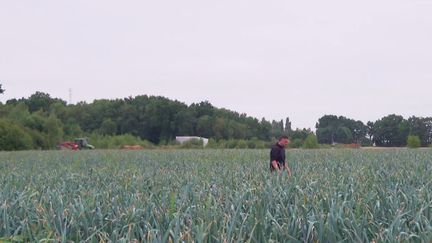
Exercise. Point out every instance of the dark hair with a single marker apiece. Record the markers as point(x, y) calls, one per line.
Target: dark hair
point(283, 137)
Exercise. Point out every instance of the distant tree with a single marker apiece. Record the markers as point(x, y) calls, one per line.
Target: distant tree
point(358, 130)
point(1, 89)
point(203, 108)
point(391, 131)
point(108, 127)
point(13, 137)
point(54, 130)
point(326, 129)
point(343, 135)
point(413, 141)
point(301, 134)
point(325, 135)
point(185, 121)
point(40, 100)
point(277, 128)
point(264, 130)
point(421, 127)
point(288, 128)
point(153, 118)
point(204, 126)
point(19, 113)
point(332, 129)
point(311, 142)
point(370, 130)
point(295, 143)
point(72, 129)
point(219, 129)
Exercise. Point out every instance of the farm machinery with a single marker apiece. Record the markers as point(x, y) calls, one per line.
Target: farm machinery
point(77, 144)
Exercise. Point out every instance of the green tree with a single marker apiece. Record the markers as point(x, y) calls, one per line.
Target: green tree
point(72, 130)
point(1, 89)
point(413, 141)
point(277, 129)
point(343, 135)
point(204, 126)
point(326, 128)
point(310, 142)
point(40, 100)
point(421, 127)
point(391, 131)
point(19, 113)
point(296, 143)
point(332, 129)
point(108, 127)
point(325, 135)
point(288, 128)
point(264, 130)
point(13, 137)
point(219, 129)
point(54, 130)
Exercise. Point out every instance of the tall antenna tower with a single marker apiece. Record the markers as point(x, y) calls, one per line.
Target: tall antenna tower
point(70, 96)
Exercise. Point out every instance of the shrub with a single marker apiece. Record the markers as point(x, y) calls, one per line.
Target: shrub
point(212, 143)
point(242, 144)
point(296, 143)
point(310, 142)
point(255, 143)
point(14, 137)
point(413, 141)
point(193, 143)
point(111, 142)
point(231, 144)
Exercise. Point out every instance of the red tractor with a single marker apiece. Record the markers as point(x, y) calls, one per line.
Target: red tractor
point(78, 144)
point(67, 145)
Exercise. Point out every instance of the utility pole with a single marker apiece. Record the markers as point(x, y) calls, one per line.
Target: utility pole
point(70, 96)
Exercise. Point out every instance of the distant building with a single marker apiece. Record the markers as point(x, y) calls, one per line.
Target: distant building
point(182, 139)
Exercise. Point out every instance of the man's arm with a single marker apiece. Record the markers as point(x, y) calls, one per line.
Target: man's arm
point(274, 164)
point(287, 168)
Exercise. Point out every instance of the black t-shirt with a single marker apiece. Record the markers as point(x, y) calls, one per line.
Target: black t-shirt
point(277, 153)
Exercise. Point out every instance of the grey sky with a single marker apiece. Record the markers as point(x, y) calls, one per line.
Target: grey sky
point(273, 59)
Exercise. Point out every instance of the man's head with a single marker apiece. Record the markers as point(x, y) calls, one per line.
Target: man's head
point(283, 140)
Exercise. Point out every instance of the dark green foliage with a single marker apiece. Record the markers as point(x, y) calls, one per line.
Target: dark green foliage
point(1, 89)
point(296, 143)
point(108, 127)
point(116, 142)
point(413, 141)
point(158, 120)
point(311, 142)
point(343, 135)
point(152, 118)
point(41, 101)
point(391, 131)
point(421, 127)
point(332, 129)
point(193, 144)
point(298, 136)
point(13, 136)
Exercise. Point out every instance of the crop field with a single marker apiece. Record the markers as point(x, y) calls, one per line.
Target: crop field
point(216, 196)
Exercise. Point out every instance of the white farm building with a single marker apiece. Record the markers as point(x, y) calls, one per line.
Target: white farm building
point(182, 139)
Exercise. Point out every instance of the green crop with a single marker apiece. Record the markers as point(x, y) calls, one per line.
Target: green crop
point(216, 196)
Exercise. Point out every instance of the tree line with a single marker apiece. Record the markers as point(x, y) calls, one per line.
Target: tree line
point(41, 122)
point(389, 131)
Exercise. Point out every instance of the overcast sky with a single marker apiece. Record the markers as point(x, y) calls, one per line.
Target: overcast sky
point(273, 59)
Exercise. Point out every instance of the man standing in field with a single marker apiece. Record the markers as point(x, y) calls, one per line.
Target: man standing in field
point(277, 156)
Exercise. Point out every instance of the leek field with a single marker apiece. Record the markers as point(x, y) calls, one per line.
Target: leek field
point(334, 195)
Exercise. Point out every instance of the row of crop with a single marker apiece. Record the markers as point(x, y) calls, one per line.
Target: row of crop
point(216, 195)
